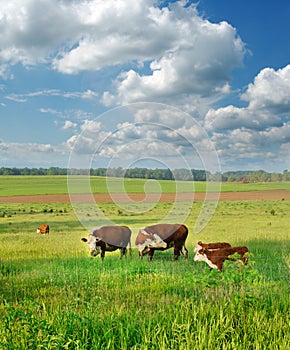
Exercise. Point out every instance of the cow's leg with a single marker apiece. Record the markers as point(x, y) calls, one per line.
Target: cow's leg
point(176, 252)
point(184, 252)
point(102, 254)
point(123, 252)
point(150, 254)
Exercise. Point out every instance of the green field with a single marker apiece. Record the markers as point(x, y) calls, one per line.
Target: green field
point(54, 297)
point(31, 185)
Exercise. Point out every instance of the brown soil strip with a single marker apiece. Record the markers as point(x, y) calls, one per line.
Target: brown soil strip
point(136, 197)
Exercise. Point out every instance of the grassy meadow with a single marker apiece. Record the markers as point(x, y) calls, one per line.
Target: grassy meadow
point(33, 185)
point(53, 296)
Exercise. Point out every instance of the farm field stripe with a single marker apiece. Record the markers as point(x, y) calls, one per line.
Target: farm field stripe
point(137, 197)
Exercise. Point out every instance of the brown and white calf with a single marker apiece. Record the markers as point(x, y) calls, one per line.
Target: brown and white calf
point(43, 229)
point(216, 258)
point(108, 239)
point(162, 237)
point(210, 246)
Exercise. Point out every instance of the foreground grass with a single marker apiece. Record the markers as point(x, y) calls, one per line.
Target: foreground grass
point(52, 296)
point(83, 304)
point(32, 185)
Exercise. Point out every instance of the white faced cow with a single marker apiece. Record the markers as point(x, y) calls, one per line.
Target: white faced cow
point(108, 239)
point(162, 237)
point(216, 258)
point(43, 229)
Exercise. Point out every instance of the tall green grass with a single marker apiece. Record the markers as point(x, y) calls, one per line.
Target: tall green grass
point(53, 296)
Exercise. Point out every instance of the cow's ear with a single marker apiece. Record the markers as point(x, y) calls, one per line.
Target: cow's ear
point(199, 242)
point(84, 239)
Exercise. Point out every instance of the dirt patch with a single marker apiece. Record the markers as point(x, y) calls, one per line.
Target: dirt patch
point(136, 197)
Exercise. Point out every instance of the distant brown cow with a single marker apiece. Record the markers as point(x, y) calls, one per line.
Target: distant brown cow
point(216, 258)
point(162, 237)
point(43, 229)
point(210, 246)
point(108, 239)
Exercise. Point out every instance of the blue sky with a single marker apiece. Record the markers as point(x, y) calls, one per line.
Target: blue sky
point(141, 82)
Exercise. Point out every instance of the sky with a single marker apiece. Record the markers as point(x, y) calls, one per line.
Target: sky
point(108, 83)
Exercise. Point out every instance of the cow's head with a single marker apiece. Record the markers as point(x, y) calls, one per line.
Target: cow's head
point(197, 247)
point(92, 242)
point(152, 240)
point(201, 255)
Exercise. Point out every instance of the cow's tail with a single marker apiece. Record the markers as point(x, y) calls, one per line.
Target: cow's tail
point(184, 250)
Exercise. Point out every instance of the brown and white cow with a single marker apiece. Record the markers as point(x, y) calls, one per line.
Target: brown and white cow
point(108, 239)
point(162, 237)
point(210, 246)
point(43, 229)
point(216, 258)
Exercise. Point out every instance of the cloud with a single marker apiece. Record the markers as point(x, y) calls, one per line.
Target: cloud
point(268, 104)
point(185, 53)
point(230, 118)
point(31, 154)
point(270, 90)
point(16, 98)
point(31, 30)
point(144, 131)
point(262, 129)
point(21, 98)
point(198, 63)
point(82, 35)
point(16, 153)
point(139, 32)
point(51, 111)
point(4, 71)
point(91, 126)
point(24, 148)
point(69, 125)
point(241, 144)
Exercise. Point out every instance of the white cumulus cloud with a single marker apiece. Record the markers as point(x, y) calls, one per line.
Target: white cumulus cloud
point(260, 130)
point(173, 52)
point(271, 89)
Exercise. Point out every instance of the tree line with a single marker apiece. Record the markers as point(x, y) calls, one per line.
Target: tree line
point(158, 174)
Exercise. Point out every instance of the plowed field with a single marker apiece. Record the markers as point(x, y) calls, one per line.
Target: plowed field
point(136, 197)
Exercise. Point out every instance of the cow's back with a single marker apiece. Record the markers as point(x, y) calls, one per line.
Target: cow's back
point(118, 236)
point(169, 232)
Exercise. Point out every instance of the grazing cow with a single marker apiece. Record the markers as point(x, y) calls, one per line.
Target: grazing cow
point(43, 229)
point(162, 237)
point(210, 246)
point(108, 239)
point(216, 258)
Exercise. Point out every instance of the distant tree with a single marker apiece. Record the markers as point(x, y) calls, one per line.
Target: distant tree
point(233, 178)
point(286, 175)
point(183, 174)
point(276, 177)
point(159, 174)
